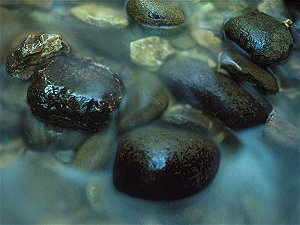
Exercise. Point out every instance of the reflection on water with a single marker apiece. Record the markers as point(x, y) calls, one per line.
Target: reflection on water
point(257, 183)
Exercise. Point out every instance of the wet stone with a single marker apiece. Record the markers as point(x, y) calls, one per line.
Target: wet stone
point(164, 163)
point(34, 50)
point(145, 99)
point(94, 153)
point(263, 37)
point(10, 151)
point(243, 69)
point(193, 82)
point(100, 15)
point(74, 92)
point(150, 52)
point(155, 13)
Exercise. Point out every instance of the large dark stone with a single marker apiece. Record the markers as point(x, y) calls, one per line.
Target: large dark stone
point(263, 37)
point(243, 69)
point(194, 82)
point(155, 13)
point(73, 92)
point(164, 163)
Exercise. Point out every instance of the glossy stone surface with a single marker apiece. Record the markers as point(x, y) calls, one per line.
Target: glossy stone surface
point(35, 49)
point(164, 163)
point(263, 37)
point(194, 82)
point(155, 13)
point(243, 69)
point(74, 92)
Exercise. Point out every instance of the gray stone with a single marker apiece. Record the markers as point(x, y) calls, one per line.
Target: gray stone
point(263, 37)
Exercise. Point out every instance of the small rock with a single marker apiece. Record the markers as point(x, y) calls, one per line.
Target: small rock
point(94, 193)
point(10, 152)
point(95, 152)
point(164, 163)
point(73, 92)
point(155, 13)
point(150, 52)
point(100, 15)
point(207, 39)
point(145, 99)
point(65, 156)
point(263, 37)
point(194, 82)
point(242, 69)
point(34, 50)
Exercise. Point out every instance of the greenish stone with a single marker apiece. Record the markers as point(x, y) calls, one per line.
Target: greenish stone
point(155, 13)
point(263, 37)
point(164, 163)
point(242, 69)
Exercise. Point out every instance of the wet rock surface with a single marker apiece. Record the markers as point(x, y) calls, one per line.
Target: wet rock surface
point(192, 81)
point(163, 163)
point(155, 13)
point(242, 69)
point(73, 92)
point(263, 37)
point(25, 58)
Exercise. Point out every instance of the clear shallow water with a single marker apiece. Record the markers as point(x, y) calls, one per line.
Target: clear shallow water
point(257, 183)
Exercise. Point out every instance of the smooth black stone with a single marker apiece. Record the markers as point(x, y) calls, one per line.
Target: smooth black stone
point(163, 163)
point(263, 37)
point(194, 82)
point(242, 69)
point(73, 92)
point(155, 13)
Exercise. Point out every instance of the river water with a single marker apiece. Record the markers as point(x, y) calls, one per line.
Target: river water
point(257, 181)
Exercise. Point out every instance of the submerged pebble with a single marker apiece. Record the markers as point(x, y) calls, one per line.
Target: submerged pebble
point(74, 92)
point(10, 151)
point(34, 50)
point(150, 52)
point(192, 81)
point(145, 99)
point(242, 69)
point(164, 163)
point(155, 13)
point(100, 15)
point(263, 37)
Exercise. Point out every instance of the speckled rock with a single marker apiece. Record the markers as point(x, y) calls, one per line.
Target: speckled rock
point(145, 99)
point(242, 69)
point(34, 50)
point(263, 37)
point(164, 163)
point(95, 152)
point(100, 15)
point(73, 92)
point(155, 12)
point(150, 52)
point(192, 81)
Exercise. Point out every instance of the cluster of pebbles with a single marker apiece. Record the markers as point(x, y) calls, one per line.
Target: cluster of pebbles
point(167, 145)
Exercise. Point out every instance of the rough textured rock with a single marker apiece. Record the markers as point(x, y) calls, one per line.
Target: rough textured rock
point(263, 37)
point(73, 92)
point(164, 163)
point(155, 12)
point(192, 81)
point(242, 69)
point(34, 50)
